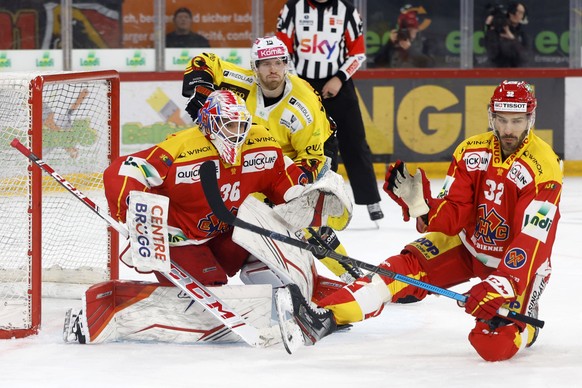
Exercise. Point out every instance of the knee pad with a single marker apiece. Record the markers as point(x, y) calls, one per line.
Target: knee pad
point(497, 344)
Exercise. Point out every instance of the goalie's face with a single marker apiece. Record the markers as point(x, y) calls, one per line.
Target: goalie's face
point(226, 121)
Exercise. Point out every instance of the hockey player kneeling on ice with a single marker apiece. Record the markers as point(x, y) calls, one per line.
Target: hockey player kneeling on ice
point(247, 160)
point(495, 219)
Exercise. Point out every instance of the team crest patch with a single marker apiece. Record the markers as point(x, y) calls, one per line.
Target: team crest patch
point(515, 258)
point(166, 160)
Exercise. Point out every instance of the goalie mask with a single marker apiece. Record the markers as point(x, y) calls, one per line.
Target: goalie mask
point(269, 47)
point(225, 121)
point(513, 97)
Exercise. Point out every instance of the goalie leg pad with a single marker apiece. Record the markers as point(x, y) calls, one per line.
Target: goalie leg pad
point(289, 263)
point(143, 311)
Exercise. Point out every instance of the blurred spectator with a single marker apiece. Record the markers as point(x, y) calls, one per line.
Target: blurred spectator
point(505, 39)
point(182, 36)
point(406, 47)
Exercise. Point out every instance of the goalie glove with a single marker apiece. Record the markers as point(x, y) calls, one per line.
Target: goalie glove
point(410, 192)
point(485, 298)
point(325, 202)
point(201, 92)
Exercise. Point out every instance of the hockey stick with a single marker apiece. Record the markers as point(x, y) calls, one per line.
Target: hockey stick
point(355, 272)
point(211, 190)
point(180, 278)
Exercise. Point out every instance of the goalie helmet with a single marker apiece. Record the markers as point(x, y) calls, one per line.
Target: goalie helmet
point(513, 97)
point(225, 121)
point(268, 47)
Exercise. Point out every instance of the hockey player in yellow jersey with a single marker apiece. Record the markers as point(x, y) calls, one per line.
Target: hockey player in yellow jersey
point(285, 104)
point(282, 102)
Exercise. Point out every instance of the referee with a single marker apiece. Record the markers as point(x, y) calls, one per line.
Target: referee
point(326, 42)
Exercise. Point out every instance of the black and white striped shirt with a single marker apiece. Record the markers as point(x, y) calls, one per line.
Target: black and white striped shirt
point(324, 39)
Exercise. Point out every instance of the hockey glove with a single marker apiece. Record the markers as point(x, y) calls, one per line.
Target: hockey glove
point(408, 191)
point(485, 298)
point(201, 92)
point(325, 202)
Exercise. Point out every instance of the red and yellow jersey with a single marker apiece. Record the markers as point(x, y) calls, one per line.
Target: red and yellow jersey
point(171, 169)
point(505, 211)
point(298, 120)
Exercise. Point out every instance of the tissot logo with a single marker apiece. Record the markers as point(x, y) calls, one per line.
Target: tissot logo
point(510, 106)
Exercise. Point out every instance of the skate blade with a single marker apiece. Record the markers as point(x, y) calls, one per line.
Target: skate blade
point(68, 335)
point(291, 333)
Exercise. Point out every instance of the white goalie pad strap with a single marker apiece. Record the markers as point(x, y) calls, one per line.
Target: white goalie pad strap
point(147, 223)
point(144, 311)
point(290, 264)
point(336, 210)
point(255, 271)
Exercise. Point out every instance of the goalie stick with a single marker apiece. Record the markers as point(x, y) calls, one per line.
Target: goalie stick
point(211, 190)
point(180, 278)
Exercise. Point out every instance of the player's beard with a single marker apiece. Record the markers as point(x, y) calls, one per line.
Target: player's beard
point(271, 82)
point(509, 143)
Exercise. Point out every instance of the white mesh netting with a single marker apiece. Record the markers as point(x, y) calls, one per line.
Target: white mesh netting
point(76, 144)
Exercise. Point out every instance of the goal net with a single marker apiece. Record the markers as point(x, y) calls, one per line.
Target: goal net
point(51, 244)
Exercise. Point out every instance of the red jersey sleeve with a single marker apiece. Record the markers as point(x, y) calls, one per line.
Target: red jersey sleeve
point(140, 171)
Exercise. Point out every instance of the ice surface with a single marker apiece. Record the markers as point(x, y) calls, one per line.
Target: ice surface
point(422, 344)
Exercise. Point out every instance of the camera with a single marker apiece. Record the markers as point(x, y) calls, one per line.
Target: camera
point(499, 14)
point(402, 34)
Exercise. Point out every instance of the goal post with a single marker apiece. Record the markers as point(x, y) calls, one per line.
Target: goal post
point(50, 243)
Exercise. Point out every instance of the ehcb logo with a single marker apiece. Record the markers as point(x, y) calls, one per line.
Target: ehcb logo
point(491, 227)
point(515, 258)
